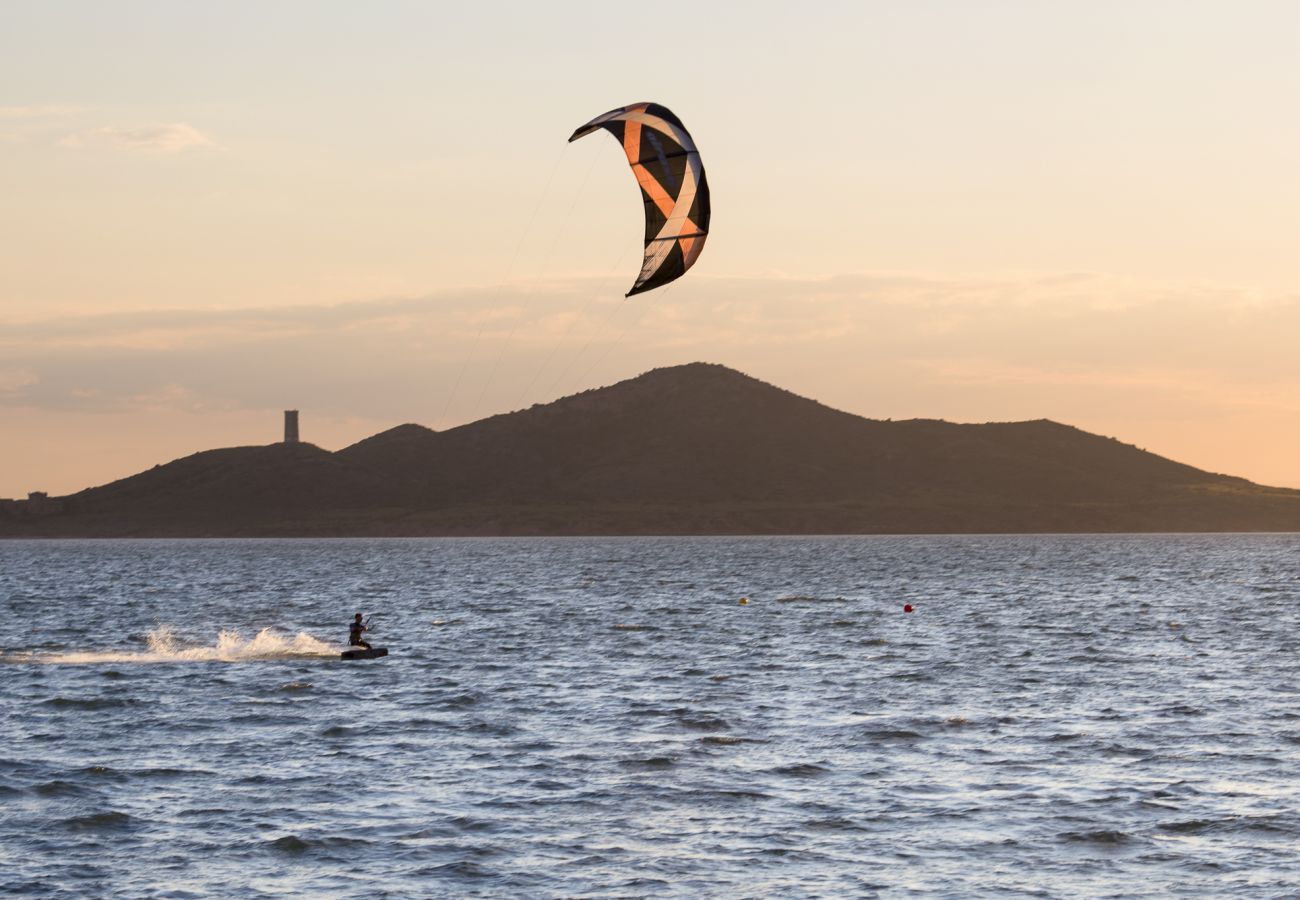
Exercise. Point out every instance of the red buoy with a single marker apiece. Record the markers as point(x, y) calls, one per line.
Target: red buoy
point(907, 607)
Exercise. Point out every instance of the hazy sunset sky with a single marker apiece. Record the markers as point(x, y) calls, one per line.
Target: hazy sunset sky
point(976, 211)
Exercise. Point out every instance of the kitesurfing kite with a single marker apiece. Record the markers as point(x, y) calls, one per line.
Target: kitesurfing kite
point(668, 168)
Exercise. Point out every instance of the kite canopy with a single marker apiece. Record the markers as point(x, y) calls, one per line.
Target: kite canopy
point(668, 168)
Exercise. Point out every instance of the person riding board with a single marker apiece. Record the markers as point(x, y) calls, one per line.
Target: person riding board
point(354, 633)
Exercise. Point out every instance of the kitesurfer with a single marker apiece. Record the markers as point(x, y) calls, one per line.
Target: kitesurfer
point(354, 633)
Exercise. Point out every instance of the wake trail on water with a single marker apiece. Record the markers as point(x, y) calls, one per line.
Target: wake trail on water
point(165, 646)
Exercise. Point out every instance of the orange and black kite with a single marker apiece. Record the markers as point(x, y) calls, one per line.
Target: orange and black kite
point(668, 168)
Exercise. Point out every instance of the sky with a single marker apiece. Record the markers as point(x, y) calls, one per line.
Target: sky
point(974, 210)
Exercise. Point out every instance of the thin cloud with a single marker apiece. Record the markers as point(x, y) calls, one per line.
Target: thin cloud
point(38, 112)
point(952, 338)
point(172, 137)
point(14, 380)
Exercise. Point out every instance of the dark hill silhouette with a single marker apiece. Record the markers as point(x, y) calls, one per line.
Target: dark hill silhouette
point(690, 449)
point(705, 433)
point(235, 491)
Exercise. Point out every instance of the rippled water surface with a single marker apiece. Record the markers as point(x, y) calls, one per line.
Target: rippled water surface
point(1059, 716)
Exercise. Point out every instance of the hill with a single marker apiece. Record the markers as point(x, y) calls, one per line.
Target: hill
point(684, 450)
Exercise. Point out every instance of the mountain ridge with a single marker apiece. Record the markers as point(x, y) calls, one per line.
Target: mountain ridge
point(691, 449)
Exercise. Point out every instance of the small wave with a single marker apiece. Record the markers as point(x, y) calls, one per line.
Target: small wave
point(593, 859)
point(833, 823)
point(1231, 824)
point(461, 701)
point(702, 724)
point(723, 739)
point(893, 734)
point(1193, 826)
point(804, 598)
point(733, 796)
point(168, 772)
point(292, 844)
point(634, 627)
point(166, 646)
point(800, 770)
point(90, 703)
point(462, 869)
point(59, 788)
point(101, 821)
point(651, 764)
point(914, 676)
point(1100, 836)
point(474, 826)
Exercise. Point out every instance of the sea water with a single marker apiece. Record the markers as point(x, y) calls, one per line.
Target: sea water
point(1059, 716)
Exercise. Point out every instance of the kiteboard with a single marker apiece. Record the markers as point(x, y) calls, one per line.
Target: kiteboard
point(362, 653)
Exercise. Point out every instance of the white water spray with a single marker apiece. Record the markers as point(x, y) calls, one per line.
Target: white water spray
point(165, 646)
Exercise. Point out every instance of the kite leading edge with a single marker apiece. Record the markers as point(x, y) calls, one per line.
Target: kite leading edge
point(668, 169)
